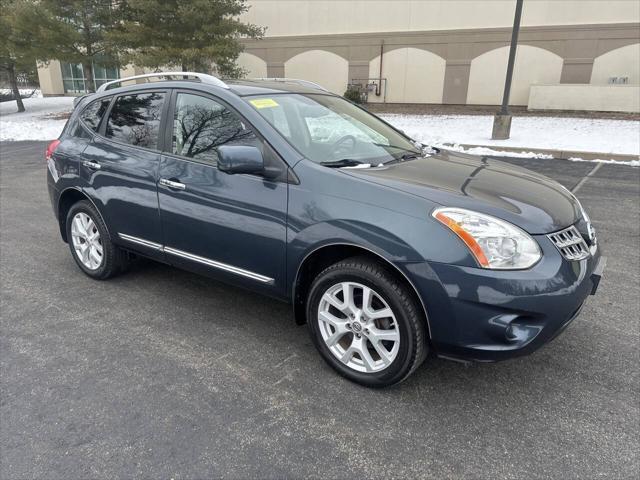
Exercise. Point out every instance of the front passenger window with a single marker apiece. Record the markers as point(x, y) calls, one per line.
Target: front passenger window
point(202, 124)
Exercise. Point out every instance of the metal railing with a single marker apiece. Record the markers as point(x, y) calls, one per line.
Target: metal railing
point(204, 78)
point(166, 76)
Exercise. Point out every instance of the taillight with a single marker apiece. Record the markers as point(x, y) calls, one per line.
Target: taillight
point(51, 148)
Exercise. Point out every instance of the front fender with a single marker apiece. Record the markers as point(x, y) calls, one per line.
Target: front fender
point(330, 206)
point(389, 248)
point(350, 232)
point(381, 243)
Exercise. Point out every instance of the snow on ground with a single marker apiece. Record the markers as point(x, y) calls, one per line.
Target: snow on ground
point(38, 122)
point(23, 91)
point(553, 133)
point(42, 121)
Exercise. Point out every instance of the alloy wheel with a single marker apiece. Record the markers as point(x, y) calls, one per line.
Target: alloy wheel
point(86, 241)
point(358, 327)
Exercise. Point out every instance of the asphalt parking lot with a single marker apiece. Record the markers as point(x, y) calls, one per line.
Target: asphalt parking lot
point(163, 374)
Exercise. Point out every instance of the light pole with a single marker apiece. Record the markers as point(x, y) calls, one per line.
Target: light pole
point(502, 120)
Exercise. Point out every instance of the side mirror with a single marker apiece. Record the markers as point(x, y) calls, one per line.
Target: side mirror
point(240, 159)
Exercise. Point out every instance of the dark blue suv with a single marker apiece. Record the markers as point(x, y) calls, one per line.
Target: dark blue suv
point(389, 250)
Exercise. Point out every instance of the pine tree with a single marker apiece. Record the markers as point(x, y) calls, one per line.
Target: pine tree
point(77, 31)
point(193, 35)
point(18, 48)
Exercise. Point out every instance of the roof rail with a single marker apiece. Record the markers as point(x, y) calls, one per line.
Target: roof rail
point(299, 81)
point(203, 77)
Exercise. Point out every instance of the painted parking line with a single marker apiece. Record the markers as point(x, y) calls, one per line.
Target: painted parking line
point(586, 177)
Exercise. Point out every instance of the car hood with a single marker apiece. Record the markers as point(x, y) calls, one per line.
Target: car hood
point(531, 201)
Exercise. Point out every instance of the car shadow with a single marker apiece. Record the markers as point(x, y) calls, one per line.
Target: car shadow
point(270, 321)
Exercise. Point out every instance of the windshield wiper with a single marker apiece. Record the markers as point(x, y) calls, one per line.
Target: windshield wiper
point(408, 155)
point(403, 157)
point(345, 162)
point(409, 151)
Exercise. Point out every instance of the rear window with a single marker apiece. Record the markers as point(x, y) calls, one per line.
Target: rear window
point(94, 112)
point(135, 119)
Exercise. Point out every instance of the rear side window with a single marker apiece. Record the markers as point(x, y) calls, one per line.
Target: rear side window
point(94, 112)
point(135, 119)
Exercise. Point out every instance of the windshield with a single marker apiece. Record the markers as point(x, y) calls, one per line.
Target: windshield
point(328, 129)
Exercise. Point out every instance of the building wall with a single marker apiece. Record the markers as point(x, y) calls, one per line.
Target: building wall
point(437, 51)
point(255, 66)
point(326, 68)
point(452, 52)
point(322, 17)
point(412, 75)
point(461, 66)
point(621, 62)
point(603, 98)
point(50, 78)
point(533, 65)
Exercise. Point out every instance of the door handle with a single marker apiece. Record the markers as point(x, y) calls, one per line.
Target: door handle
point(171, 184)
point(92, 165)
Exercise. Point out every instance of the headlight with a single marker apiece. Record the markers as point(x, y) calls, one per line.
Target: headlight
point(493, 242)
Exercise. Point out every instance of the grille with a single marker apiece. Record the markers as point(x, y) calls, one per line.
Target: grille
point(570, 243)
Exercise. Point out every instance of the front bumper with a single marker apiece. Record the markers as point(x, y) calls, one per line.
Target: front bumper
point(488, 315)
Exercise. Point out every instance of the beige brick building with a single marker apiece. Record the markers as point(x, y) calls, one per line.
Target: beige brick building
point(573, 54)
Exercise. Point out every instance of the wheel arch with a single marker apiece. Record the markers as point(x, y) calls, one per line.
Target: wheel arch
point(321, 257)
point(68, 198)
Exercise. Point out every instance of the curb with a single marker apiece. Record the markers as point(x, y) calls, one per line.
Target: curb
point(557, 154)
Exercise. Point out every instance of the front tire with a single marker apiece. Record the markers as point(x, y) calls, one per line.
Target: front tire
point(90, 244)
point(365, 323)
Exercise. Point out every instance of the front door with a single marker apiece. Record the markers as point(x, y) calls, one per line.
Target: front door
point(232, 226)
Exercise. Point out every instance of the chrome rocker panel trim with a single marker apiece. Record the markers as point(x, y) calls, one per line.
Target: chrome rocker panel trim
point(219, 265)
point(197, 258)
point(140, 241)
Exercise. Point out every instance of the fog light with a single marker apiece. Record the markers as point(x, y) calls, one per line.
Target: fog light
point(510, 334)
point(501, 328)
point(513, 329)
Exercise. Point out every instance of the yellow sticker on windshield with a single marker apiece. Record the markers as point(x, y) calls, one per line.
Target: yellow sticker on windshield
point(264, 103)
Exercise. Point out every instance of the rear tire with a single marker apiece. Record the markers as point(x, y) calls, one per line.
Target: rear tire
point(90, 244)
point(365, 323)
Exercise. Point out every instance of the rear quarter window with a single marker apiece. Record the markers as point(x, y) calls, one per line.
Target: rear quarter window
point(135, 119)
point(93, 113)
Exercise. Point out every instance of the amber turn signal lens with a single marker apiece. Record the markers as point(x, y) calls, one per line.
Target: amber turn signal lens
point(465, 237)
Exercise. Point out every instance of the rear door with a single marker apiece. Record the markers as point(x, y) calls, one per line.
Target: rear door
point(77, 135)
point(233, 226)
point(121, 169)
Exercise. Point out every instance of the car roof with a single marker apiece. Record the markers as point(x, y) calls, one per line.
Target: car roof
point(239, 87)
